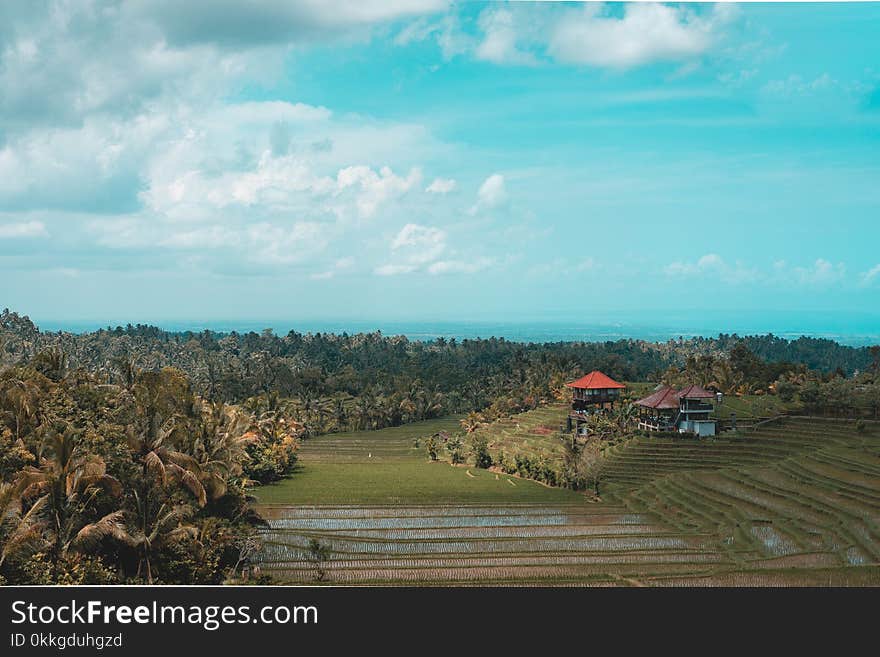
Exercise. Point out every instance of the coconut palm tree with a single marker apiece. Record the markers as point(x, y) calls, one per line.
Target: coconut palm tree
point(19, 400)
point(364, 411)
point(158, 527)
point(160, 463)
point(63, 492)
point(623, 416)
point(471, 422)
point(339, 413)
point(126, 368)
point(19, 532)
point(727, 379)
point(52, 363)
point(218, 445)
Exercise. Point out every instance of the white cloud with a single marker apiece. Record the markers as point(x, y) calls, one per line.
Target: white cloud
point(645, 33)
point(586, 264)
point(587, 34)
point(341, 265)
point(795, 85)
point(284, 245)
point(261, 244)
point(714, 266)
point(23, 229)
point(491, 193)
point(873, 274)
point(425, 241)
point(230, 23)
point(499, 43)
point(418, 248)
point(412, 248)
point(441, 186)
point(394, 270)
point(211, 237)
point(822, 272)
point(376, 188)
point(460, 266)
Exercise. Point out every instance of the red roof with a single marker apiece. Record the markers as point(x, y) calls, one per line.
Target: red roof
point(695, 392)
point(666, 397)
point(595, 380)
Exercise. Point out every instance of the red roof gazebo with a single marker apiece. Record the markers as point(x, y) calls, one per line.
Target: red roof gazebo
point(594, 390)
point(596, 380)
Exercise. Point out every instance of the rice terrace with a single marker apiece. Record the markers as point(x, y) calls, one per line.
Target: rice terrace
point(790, 501)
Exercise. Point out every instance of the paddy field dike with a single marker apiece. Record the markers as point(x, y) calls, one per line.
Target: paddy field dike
point(794, 501)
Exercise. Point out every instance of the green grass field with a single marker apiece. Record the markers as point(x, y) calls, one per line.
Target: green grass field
point(384, 467)
point(405, 482)
point(791, 502)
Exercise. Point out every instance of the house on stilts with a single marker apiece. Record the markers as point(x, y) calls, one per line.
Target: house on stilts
point(593, 393)
point(688, 410)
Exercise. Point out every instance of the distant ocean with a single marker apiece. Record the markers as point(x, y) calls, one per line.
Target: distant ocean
point(852, 329)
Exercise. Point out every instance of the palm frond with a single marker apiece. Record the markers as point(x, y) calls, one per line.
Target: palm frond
point(190, 480)
point(112, 525)
point(154, 464)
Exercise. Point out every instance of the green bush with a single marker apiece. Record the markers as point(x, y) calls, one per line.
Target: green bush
point(482, 457)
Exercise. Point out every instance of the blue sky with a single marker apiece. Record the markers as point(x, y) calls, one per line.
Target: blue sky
point(416, 159)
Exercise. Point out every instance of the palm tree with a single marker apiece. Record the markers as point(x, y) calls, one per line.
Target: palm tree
point(20, 398)
point(18, 531)
point(364, 411)
point(158, 520)
point(158, 526)
point(65, 488)
point(339, 413)
point(126, 368)
point(623, 416)
point(601, 425)
point(159, 462)
point(472, 421)
point(52, 363)
point(727, 379)
point(218, 445)
point(572, 473)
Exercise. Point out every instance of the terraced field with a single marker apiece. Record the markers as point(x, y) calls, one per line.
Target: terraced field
point(799, 496)
point(478, 544)
point(533, 433)
point(793, 502)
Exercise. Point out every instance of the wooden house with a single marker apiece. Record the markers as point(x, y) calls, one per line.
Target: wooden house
point(592, 393)
point(688, 410)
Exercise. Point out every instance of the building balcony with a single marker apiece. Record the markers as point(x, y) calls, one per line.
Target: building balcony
point(599, 398)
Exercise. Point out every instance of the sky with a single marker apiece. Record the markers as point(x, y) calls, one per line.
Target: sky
point(420, 159)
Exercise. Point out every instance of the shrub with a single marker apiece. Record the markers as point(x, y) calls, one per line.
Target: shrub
point(75, 569)
point(454, 445)
point(431, 448)
point(786, 390)
point(271, 457)
point(482, 457)
point(318, 554)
